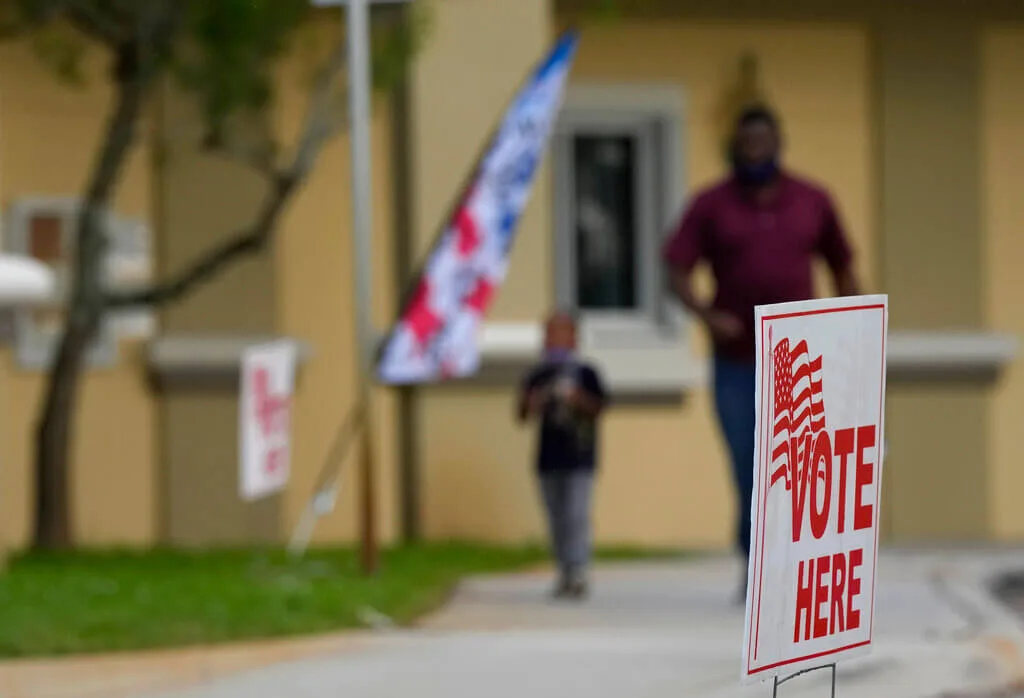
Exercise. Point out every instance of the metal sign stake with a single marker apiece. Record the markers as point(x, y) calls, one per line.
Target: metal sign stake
point(778, 682)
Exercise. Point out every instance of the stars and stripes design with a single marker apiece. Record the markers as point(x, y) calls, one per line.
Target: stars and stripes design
point(799, 405)
point(436, 337)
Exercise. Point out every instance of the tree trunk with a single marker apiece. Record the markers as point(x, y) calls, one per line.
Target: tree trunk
point(54, 438)
point(55, 429)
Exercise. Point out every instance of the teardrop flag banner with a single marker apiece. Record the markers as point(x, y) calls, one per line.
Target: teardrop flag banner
point(437, 335)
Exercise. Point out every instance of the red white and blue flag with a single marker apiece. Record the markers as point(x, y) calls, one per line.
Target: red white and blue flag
point(437, 335)
point(799, 407)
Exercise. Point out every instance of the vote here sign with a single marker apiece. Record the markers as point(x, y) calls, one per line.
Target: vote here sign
point(264, 420)
point(817, 483)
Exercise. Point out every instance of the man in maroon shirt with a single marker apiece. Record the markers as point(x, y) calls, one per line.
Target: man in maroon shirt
point(759, 230)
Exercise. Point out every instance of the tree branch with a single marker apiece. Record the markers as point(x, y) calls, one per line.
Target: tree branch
point(246, 241)
point(260, 157)
point(20, 19)
point(94, 23)
point(120, 135)
point(320, 125)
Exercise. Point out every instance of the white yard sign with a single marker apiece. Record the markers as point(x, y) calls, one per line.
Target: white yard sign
point(264, 423)
point(817, 484)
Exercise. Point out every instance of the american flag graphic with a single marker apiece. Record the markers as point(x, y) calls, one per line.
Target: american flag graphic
point(799, 405)
point(437, 335)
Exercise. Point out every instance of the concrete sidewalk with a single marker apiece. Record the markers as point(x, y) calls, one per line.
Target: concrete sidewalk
point(662, 630)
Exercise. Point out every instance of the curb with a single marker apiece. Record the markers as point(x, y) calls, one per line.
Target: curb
point(129, 674)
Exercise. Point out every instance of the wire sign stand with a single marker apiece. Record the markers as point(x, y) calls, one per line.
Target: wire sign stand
point(776, 682)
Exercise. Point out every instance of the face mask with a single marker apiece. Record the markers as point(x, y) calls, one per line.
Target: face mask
point(557, 355)
point(755, 174)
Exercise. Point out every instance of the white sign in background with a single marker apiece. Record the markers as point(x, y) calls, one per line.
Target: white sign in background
point(817, 484)
point(264, 424)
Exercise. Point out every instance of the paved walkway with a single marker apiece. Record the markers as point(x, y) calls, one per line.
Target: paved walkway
point(650, 631)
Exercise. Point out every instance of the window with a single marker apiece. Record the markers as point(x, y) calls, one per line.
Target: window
point(46, 244)
point(604, 203)
point(43, 228)
point(618, 186)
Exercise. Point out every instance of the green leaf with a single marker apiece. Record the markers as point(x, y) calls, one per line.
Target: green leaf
point(396, 43)
point(230, 50)
point(61, 49)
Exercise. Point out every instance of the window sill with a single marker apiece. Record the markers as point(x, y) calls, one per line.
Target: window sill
point(650, 369)
point(184, 360)
point(644, 368)
point(943, 355)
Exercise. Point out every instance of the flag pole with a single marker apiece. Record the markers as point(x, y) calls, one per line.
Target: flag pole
point(324, 494)
point(367, 349)
point(359, 79)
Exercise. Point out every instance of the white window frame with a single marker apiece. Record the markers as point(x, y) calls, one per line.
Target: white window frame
point(655, 114)
point(35, 348)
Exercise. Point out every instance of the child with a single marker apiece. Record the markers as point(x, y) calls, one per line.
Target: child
point(566, 395)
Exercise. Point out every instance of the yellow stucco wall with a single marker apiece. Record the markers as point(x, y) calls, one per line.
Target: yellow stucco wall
point(474, 476)
point(48, 136)
point(664, 480)
point(314, 262)
point(1002, 147)
point(116, 458)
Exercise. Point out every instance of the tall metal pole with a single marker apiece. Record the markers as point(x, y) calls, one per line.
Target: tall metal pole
point(359, 86)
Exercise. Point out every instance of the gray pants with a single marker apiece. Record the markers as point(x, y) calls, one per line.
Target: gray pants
point(567, 498)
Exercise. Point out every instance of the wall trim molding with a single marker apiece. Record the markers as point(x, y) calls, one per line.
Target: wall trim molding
point(667, 366)
point(206, 358)
point(950, 351)
point(644, 369)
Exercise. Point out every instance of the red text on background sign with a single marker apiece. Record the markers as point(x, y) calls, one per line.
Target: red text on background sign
point(272, 416)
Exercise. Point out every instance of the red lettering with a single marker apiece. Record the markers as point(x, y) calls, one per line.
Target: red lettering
point(821, 596)
point(275, 459)
point(271, 410)
point(864, 474)
point(853, 588)
point(837, 620)
point(804, 600)
point(843, 448)
point(819, 517)
point(800, 474)
point(826, 590)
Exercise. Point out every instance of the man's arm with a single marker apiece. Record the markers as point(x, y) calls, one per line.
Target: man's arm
point(530, 397)
point(590, 398)
point(681, 282)
point(682, 252)
point(836, 250)
point(530, 400)
point(523, 400)
point(846, 282)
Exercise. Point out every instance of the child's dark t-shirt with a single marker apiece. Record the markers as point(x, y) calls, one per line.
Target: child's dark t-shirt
point(567, 439)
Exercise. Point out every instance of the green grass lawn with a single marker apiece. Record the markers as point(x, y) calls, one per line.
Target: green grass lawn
point(112, 601)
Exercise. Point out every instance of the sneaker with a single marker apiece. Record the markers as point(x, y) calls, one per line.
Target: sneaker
point(561, 589)
point(578, 590)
